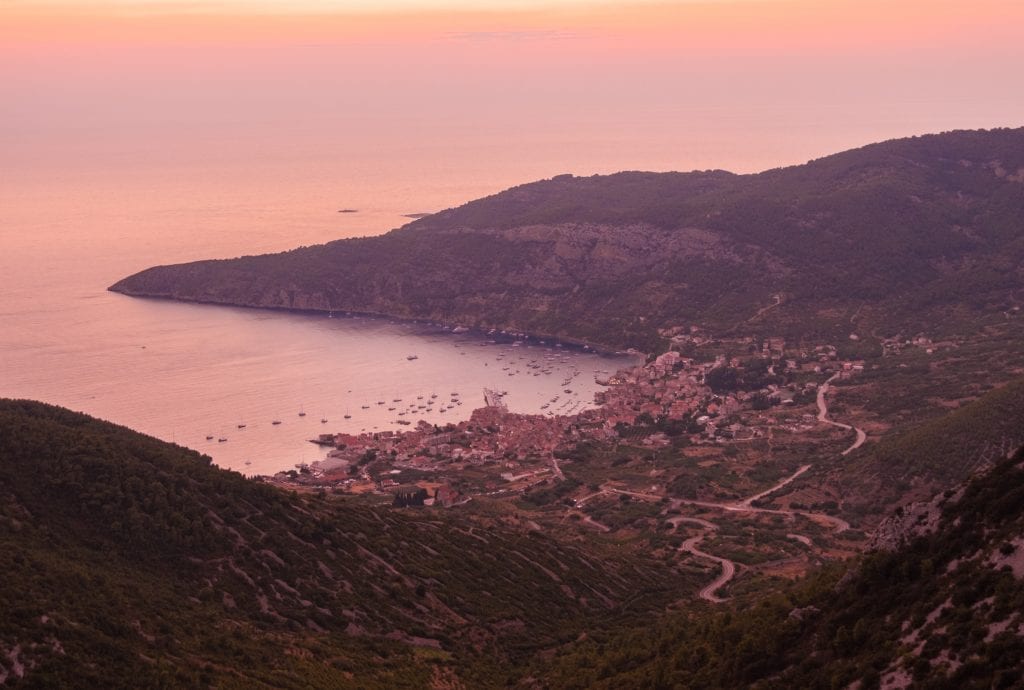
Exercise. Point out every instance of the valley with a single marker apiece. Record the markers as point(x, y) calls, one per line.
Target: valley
point(810, 478)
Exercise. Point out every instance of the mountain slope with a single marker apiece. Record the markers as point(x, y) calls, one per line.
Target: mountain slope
point(942, 612)
point(911, 227)
point(917, 461)
point(129, 562)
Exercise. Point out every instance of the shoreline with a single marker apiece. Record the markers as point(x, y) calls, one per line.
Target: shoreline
point(533, 338)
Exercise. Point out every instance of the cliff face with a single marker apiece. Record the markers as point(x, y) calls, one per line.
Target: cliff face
point(911, 226)
point(908, 523)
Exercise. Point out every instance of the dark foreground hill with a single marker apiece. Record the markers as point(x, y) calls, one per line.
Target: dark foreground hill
point(905, 233)
point(129, 562)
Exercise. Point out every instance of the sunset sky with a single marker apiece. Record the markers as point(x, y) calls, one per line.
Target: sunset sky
point(743, 84)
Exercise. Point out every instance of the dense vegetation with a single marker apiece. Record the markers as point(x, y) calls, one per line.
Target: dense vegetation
point(131, 562)
point(922, 231)
point(945, 612)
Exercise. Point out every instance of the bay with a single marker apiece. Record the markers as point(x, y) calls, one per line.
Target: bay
point(183, 372)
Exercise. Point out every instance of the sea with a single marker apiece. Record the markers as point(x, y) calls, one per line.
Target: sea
point(216, 379)
point(117, 158)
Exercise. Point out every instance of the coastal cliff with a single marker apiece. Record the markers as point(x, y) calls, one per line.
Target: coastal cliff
point(908, 230)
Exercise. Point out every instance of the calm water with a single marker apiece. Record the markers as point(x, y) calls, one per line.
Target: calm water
point(146, 138)
point(182, 372)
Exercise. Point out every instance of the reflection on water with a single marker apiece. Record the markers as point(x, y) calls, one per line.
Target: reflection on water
point(184, 372)
point(197, 374)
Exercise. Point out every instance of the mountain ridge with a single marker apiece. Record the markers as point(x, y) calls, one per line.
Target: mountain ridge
point(909, 229)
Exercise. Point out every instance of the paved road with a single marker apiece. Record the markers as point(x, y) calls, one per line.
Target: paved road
point(728, 570)
point(756, 497)
point(823, 390)
point(674, 521)
point(709, 593)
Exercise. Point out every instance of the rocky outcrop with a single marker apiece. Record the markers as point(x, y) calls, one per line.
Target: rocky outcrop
point(911, 521)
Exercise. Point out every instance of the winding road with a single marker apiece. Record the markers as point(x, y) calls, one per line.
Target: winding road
point(823, 390)
point(710, 592)
point(747, 502)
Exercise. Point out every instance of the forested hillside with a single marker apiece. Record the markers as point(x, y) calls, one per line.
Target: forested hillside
point(912, 232)
point(129, 562)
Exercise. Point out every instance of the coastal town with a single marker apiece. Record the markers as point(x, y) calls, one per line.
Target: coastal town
point(710, 399)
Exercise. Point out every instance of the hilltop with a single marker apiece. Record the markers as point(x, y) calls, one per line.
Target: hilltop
point(901, 234)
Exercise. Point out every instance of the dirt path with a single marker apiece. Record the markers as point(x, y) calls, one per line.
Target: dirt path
point(556, 468)
point(597, 525)
point(760, 312)
point(764, 310)
point(581, 501)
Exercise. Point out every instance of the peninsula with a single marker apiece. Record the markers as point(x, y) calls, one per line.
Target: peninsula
point(913, 232)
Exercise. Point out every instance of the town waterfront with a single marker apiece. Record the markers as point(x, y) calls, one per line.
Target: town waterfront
point(183, 372)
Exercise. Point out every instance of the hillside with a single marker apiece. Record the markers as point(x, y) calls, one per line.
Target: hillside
point(906, 232)
point(129, 562)
point(943, 612)
point(921, 459)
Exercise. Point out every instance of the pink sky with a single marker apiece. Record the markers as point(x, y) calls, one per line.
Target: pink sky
point(742, 84)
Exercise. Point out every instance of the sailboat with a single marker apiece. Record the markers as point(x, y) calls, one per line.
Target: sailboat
point(302, 412)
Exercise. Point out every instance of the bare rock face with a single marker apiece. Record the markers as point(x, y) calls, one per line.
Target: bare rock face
point(801, 614)
point(909, 522)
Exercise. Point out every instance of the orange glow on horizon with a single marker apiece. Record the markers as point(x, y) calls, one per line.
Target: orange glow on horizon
point(709, 27)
